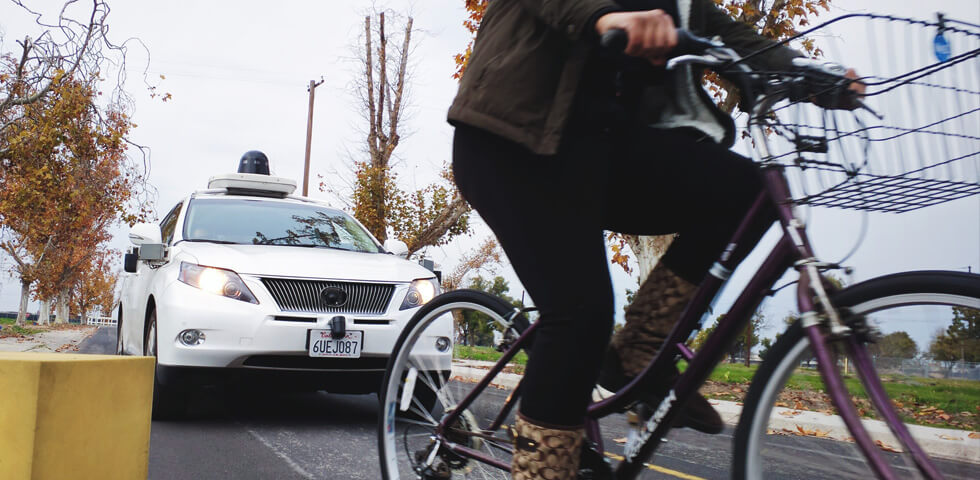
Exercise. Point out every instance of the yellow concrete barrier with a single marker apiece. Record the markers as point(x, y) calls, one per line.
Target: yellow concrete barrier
point(69, 416)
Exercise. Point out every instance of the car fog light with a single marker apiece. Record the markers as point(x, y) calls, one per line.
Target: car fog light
point(191, 337)
point(443, 344)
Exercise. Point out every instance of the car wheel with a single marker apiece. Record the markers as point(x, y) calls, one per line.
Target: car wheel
point(119, 337)
point(169, 401)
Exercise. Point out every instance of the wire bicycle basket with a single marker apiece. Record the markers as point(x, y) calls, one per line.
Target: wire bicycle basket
point(920, 145)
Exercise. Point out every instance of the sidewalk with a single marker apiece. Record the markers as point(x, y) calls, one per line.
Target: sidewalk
point(937, 442)
point(58, 339)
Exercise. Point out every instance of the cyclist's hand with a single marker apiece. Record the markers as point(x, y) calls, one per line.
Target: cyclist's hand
point(857, 87)
point(833, 85)
point(652, 34)
point(851, 100)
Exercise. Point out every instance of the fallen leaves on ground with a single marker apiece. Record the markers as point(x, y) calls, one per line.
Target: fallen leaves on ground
point(886, 447)
point(948, 437)
point(620, 440)
point(68, 347)
point(974, 435)
point(815, 401)
point(800, 431)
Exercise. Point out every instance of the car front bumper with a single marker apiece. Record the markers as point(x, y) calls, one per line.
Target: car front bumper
point(242, 335)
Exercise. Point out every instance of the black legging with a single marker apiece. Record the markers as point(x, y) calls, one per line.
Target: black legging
point(549, 214)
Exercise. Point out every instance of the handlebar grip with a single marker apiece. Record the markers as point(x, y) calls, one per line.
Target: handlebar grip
point(615, 41)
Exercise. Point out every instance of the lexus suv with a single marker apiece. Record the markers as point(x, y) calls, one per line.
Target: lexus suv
point(245, 283)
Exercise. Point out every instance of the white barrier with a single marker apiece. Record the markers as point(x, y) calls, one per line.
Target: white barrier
point(101, 321)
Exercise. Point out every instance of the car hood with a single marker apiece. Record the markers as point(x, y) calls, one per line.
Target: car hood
point(286, 261)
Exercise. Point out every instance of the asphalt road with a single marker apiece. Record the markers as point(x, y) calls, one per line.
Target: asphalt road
point(270, 435)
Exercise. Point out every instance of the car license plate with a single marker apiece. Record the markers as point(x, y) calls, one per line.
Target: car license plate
point(323, 345)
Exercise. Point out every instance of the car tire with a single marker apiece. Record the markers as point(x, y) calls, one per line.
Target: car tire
point(169, 401)
point(119, 339)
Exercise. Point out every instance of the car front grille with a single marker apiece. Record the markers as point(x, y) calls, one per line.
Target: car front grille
point(304, 296)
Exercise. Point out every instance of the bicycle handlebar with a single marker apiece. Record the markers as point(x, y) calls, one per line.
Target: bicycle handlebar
point(819, 81)
point(616, 40)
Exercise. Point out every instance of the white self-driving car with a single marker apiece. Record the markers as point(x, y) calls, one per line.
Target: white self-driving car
point(247, 283)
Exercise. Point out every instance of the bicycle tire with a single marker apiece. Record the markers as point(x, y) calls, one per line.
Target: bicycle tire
point(756, 453)
point(398, 459)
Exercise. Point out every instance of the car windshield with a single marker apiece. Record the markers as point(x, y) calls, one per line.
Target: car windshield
point(260, 222)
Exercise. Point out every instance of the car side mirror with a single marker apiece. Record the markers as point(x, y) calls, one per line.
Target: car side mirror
point(152, 252)
point(129, 262)
point(396, 247)
point(143, 233)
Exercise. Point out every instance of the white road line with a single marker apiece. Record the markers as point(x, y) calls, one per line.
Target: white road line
point(279, 453)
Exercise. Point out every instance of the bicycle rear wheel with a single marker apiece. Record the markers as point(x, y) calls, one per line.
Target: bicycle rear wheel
point(419, 391)
point(787, 428)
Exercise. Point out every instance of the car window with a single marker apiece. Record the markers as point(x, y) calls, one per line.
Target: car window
point(259, 222)
point(169, 224)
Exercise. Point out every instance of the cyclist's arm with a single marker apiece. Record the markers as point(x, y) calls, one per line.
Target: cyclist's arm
point(745, 40)
point(572, 17)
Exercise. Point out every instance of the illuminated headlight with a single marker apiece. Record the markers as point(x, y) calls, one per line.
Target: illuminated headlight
point(420, 292)
point(217, 281)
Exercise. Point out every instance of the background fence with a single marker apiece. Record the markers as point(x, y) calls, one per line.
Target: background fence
point(918, 367)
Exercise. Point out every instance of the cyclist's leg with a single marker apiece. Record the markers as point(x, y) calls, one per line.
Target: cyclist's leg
point(544, 211)
point(706, 190)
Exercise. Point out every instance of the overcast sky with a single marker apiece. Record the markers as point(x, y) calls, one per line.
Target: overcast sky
point(238, 72)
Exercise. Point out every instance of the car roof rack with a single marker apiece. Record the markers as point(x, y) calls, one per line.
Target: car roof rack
point(252, 184)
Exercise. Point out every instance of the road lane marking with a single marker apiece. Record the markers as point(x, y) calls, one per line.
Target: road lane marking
point(279, 453)
point(657, 468)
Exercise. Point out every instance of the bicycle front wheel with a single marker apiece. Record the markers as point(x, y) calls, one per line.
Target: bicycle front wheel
point(419, 391)
point(788, 428)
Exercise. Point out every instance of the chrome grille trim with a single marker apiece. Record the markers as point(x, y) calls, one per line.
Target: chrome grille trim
point(295, 295)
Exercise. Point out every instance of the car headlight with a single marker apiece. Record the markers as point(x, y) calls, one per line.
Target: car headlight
point(420, 292)
point(217, 281)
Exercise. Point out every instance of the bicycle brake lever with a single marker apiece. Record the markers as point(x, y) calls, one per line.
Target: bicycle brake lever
point(705, 60)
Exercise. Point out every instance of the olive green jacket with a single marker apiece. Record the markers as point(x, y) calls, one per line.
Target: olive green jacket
point(529, 57)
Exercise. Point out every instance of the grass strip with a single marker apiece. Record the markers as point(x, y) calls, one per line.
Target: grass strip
point(486, 354)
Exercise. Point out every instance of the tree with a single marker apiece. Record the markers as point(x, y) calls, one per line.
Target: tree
point(742, 344)
point(429, 216)
point(74, 47)
point(774, 19)
point(64, 173)
point(961, 340)
point(67, 182)
point(764, 346)
point(475, 328)
point(895, 345)
point(95, 286)
point(483, 258)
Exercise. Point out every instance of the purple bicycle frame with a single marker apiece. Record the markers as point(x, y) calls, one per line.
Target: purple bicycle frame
point(792, 251)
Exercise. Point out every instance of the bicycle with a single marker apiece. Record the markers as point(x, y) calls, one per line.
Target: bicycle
point(429, 431)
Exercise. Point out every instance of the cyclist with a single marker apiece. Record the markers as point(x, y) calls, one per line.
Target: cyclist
point(552, 148)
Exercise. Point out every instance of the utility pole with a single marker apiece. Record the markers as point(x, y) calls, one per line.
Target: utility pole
point(309, 136)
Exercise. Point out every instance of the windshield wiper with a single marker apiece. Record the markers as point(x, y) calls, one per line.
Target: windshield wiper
point(313, 245)
point(208, 240)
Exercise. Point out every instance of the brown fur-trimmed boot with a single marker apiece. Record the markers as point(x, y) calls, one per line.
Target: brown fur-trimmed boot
point(545, 452)
point(655, 309)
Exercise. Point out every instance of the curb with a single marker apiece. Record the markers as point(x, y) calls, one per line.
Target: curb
point(938, 442)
